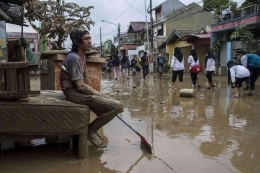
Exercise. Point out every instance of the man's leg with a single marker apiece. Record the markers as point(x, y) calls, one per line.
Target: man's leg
point(105, 109)
point(143, 67)
point(255, 74)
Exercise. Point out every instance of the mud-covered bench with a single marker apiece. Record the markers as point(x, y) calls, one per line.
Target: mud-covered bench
point(45, 115)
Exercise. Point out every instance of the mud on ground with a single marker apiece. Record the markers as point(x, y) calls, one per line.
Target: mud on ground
point(210, 133)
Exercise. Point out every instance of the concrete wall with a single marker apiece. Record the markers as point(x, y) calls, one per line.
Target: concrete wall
point(170, 47)
point(169, 6)
point(190, 18)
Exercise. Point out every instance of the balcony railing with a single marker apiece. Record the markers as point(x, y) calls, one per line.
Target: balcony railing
point(240, 13)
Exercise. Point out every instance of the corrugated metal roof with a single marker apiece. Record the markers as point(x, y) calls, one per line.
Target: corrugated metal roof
point(186, 37)
point(137, 26)
point(18, 2)
point(177, 34)
point(4, 16)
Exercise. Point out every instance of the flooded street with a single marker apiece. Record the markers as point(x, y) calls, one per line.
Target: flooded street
point(212, 133)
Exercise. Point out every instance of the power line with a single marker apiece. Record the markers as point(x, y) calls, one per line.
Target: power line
point(123, 11)
point(134, 8)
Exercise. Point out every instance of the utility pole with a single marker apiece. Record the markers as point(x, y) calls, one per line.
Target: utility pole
point(118, 39)
point(151, 19)
point(147, 35)
point(100, 43)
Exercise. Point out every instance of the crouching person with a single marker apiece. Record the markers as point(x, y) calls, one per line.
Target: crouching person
point(76, 91)
point(237, 74)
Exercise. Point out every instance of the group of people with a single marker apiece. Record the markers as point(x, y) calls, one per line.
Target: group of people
point(146, 63)
point(177, 67)
point(78, 91)
point(247, 70)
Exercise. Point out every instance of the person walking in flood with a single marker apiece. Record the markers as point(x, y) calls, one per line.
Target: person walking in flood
point(243, 60)
point(193, 60)
point(237, 74)
point(133, 65)
point(210, 67)
point(125, 65)
point(151, 63)
point(177, 66)
point(138, 65)
point(77, 91)
point(252, 62)
point(161, 61)
point(115, 64)
point(145, 64)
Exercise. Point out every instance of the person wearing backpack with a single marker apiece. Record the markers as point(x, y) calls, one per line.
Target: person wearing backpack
point(193, 60)
point(177, 66)
point(125, 65)
point(116, 63)
point(161, 61)
point(210, 67)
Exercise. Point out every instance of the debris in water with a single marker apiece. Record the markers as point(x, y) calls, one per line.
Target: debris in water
point(73, 161)
point(127, 140)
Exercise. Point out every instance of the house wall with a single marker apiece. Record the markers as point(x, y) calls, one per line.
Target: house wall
point(193, 18)
point(181, 44)
point(156, 27)
point(170, 5)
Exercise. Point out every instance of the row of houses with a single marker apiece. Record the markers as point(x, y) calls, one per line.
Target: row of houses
point(189, 27)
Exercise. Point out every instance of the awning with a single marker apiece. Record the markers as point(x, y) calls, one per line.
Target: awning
point(177, 34)
point(194, 36)
point(13, 32)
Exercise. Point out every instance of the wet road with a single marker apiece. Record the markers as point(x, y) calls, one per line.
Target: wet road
point(211, 133)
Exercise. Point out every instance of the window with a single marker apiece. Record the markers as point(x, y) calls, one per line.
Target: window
point(160, 30)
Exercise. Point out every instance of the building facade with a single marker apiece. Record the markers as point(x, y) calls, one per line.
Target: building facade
point(221, 30)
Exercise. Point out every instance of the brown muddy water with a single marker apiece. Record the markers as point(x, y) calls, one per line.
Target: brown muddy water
point(212, 133)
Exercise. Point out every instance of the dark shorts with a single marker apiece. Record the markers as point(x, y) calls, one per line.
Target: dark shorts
point(239, 81)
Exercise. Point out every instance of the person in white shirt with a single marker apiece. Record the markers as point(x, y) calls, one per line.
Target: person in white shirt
point(237, 74)
point(210, 67)
point(177, 66)
point(193, 60)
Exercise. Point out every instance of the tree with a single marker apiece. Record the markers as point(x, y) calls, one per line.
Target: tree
point(246, 37)
point(58, 20)
point(114, 49)
point(219, 7)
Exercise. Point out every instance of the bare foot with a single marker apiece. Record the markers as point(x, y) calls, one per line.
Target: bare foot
point(96, 140)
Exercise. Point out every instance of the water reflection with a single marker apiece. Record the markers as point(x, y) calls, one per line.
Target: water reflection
point(210, 133)
point(214, 122)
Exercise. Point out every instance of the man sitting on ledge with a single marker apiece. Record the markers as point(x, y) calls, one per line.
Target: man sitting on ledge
point(76, 91)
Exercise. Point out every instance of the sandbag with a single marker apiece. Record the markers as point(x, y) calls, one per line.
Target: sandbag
point(187, 93)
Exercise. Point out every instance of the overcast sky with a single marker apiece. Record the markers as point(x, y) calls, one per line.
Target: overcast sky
point(115, 11)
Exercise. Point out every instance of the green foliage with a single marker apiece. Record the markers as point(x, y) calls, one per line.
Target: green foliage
point(114, 49)
point(246, 37)
point(58, 20)
point(106, 51)
point(30, 56)
point(219, 6)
